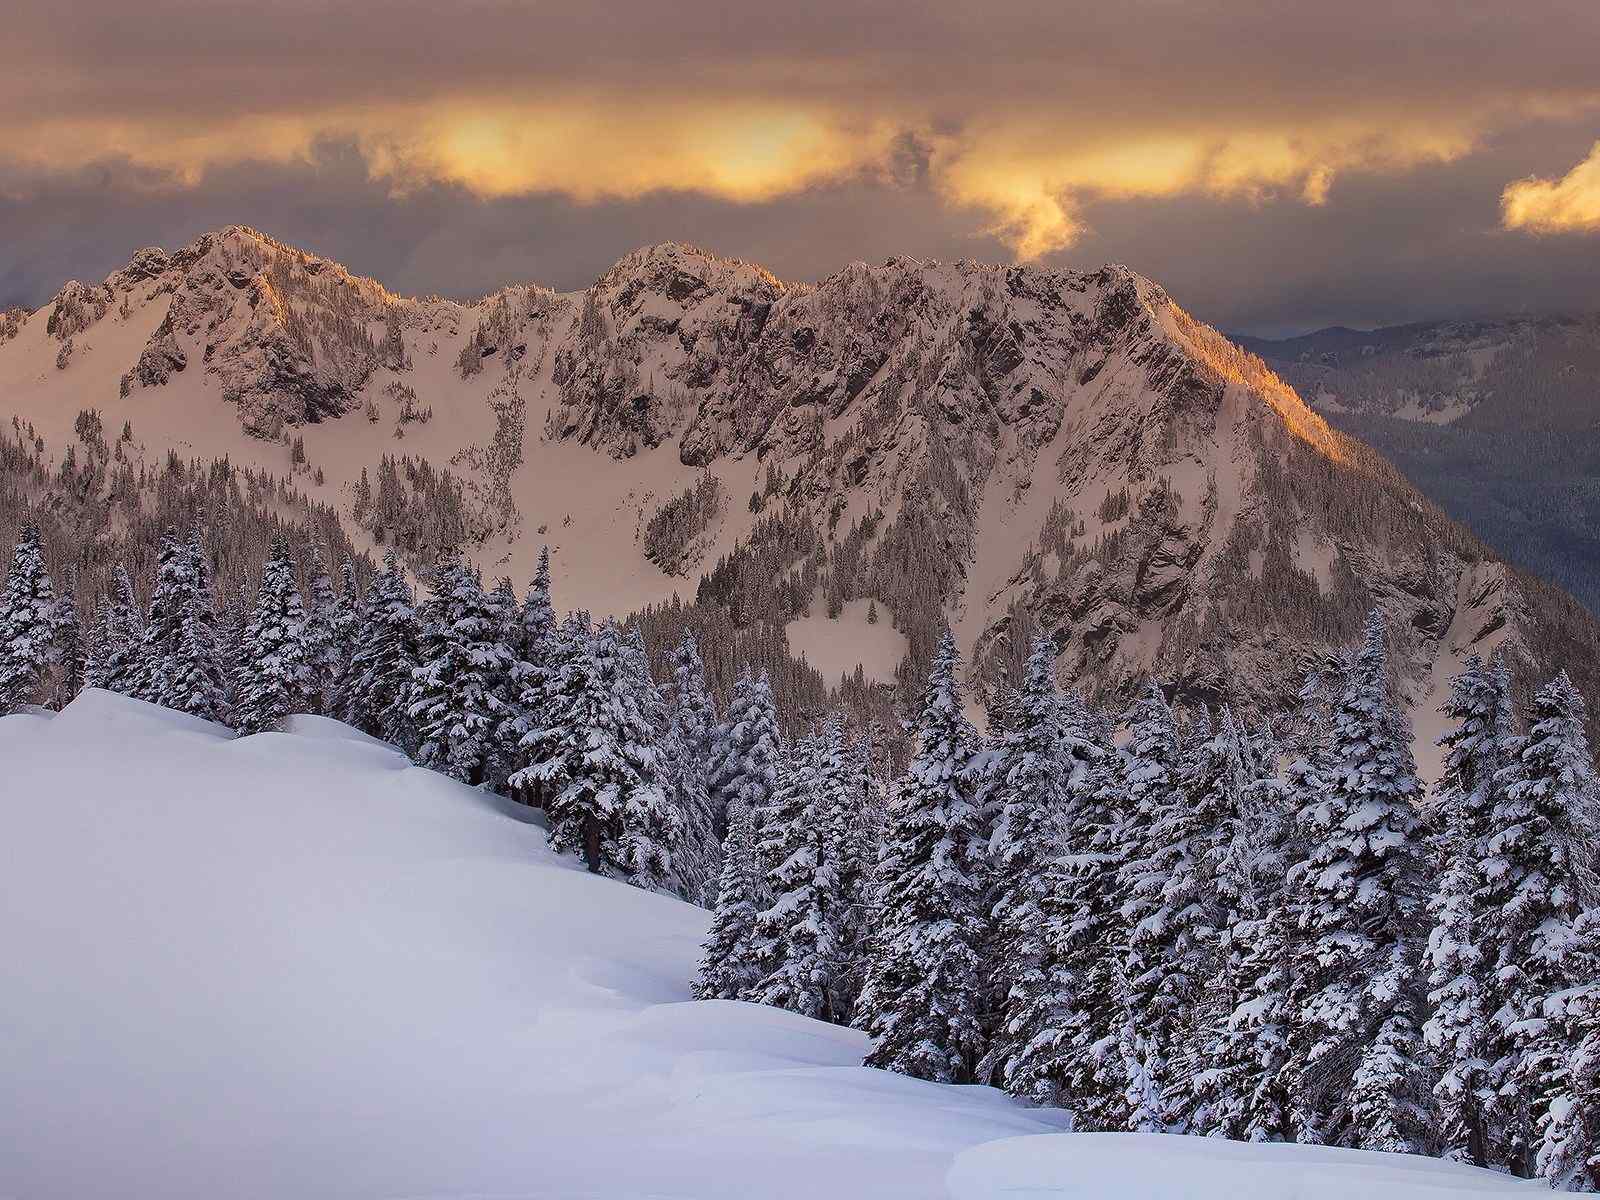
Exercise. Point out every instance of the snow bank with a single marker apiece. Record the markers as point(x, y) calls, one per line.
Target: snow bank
point(292, 965)
point(1132, 1166)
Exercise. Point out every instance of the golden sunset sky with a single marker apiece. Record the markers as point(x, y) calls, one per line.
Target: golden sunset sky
point(1275, 164)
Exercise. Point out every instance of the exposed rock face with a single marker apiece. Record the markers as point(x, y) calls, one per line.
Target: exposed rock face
point(1007, 448)
point(288, 335)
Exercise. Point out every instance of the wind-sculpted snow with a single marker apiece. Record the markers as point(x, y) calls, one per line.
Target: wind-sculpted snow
point(1133, 1166)
point(293, 966)
point(290, 965)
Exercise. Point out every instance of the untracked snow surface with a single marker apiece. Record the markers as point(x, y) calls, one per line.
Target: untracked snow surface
point(1142, 1166)
point(293, 966)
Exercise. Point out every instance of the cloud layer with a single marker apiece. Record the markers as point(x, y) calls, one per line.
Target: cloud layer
point(1014, 128)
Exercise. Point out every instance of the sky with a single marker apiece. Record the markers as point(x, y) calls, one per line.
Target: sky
point(1277, 165)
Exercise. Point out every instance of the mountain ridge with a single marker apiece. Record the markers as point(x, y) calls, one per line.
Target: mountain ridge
point(1006, 448)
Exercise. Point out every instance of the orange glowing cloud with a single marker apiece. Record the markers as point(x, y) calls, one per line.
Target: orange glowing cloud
point(1027, 176)
point(1565, 205)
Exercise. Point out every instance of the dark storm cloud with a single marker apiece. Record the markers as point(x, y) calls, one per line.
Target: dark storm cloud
point(1274, 164)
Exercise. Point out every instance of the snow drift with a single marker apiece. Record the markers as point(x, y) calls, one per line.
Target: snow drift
point(292, 965)
point(1134, 1166)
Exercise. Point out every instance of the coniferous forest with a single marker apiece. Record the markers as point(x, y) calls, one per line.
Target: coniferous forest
point(1157, 920)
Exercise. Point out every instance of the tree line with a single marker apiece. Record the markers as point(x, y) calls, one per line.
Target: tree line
point(1178, 924)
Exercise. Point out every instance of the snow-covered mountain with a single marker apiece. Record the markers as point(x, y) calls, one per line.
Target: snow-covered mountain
point(994, 446)
point(292, 965)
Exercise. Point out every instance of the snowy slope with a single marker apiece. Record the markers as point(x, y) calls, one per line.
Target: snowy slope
point(1133, 1166)
point(293, 966)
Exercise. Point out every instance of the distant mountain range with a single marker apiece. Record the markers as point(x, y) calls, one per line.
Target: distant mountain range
point(1497, 421)
point(848, 464)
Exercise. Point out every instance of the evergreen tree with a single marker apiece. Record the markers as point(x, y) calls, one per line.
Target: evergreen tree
point(1461, 976)
point(232, 620)
point(1248, 1090)
point(1361, 920)
point(97, 644)
point(325, 657)
point(550, 751)
point(273, 676)
point(533, 685)
point(71, 649)
point(1053, 1055)
point(652, 824)
point(688, 749)
point(1024, 789)
point(1542, 843)
point(27, 625)
point(115, 648)
point(1072, 1055)
point(379, 677)
point(1569, 1126)
point(345, 626)
point(1157, 981)
point(730, 968)
point(743, 765)
point(600, 763)
point(1456, 1030)
point(855, 832)
point(457, 686)
point(179, 664)
point(924, 983)
point(798, 935)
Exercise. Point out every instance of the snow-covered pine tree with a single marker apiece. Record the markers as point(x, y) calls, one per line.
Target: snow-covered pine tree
point(379, 677)
point(730, 968)
point(595, 755)
point(232, 620)
point(551, 750)
point(1199, 908)
point(798, 934)
point(743, 762)
point(1023, 788)
point(856, 830)
point(1362, 918)
point(651, 823)
point(97, 645)
point(687, 763)
point(1158, 982)
point(534, 640)
point(1457, 1027)
point(1461, 975)
point(325, 657)
point(1248, 1087)
point(457, 686)
point(27, 625)
point(179, 663)
point(925, 980)
point(118, 639)
point(71, 649)
point(346, 631)
point(273, 676)
point(1543, 847)
point(1072, 1054)
point(1569, 1126)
